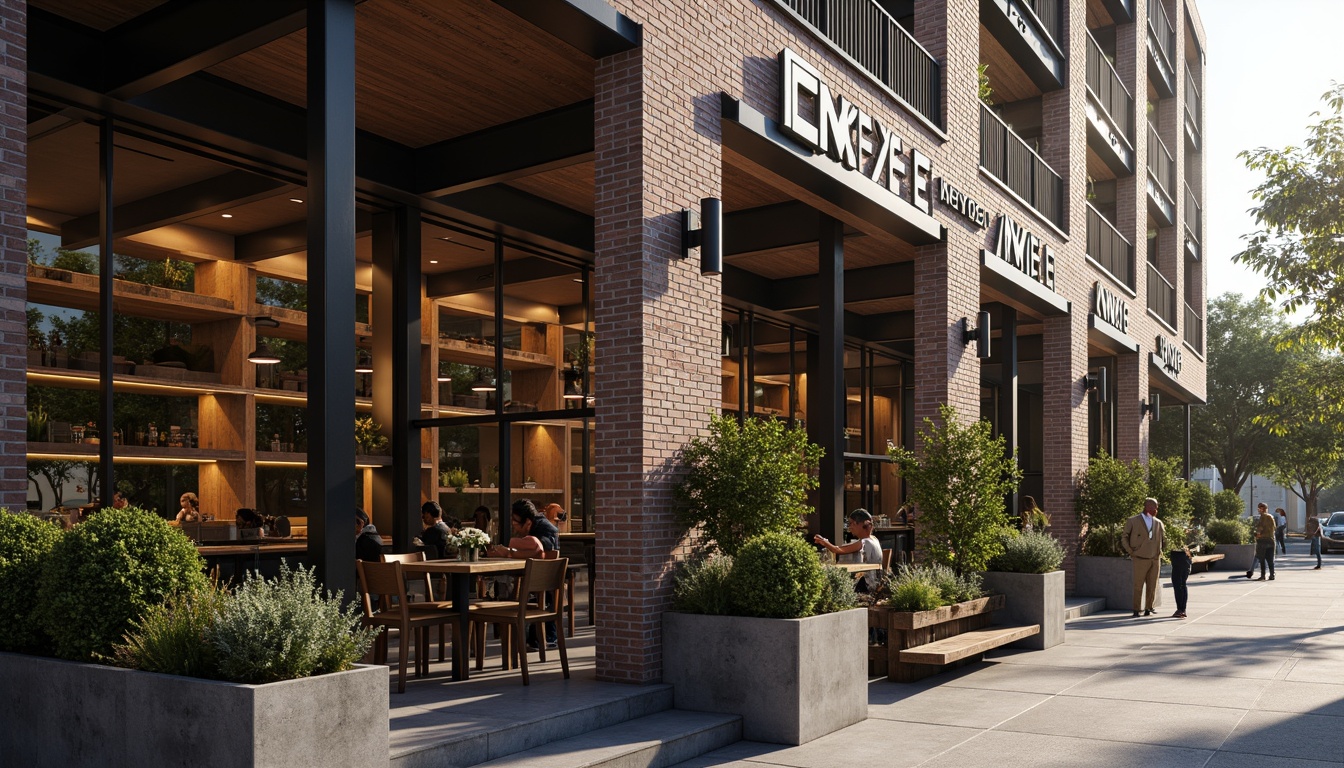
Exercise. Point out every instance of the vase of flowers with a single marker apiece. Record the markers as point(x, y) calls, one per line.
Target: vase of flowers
point(470, 542)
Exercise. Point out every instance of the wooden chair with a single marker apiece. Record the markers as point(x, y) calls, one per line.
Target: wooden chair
point(387, 582)
point(541, 576)
point(886, 560)
point(427, 603)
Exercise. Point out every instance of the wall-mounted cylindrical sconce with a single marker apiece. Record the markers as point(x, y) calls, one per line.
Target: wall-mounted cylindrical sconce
point(1096, 383)
point(704, 230)
point(979, 334)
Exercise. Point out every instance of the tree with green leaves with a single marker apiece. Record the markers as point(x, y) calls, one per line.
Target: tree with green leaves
point(748, 479)
point(1244, 358)
point(958, 482)
point(1308, 434)
point(1299, 247)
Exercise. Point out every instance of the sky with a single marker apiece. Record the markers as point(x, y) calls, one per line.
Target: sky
point(1268, 65)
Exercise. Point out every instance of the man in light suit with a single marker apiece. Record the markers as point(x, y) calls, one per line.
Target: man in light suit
point(1144, 541)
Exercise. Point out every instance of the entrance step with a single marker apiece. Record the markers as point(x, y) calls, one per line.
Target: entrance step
point(1078, 607)
point(656, 741)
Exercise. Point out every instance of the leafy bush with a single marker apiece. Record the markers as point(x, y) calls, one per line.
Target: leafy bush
point(948, 587)
point(1109, 492)
point(952, 586)
point(958, 485)
point(105, 573)
point(701, 586)
point(1029, 552)
point(1173, 497)
point(747, 479)
point(1227, 532)
point(171, 637)
point(25, 542)
point(776, 575)
point(286, 628)
point(1227, 505)
point(1201, 504)
point(1104, 541)
point(837, 591)
point(914, 595)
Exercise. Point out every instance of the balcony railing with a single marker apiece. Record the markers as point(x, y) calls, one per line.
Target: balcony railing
point(873, 39)
point(1192, 102)
point(1047, 12)
point(1005, 155)
point(1161, 296)
point(1161, 166)
point(1109, 89)
point(1194, 329)
point(1160, 25)
point(1109, 248)
point(1192, 215)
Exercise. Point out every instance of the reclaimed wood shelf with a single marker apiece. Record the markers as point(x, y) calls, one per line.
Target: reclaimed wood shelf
point(76, 290)
point(131, 453)
point(294, 323)
point(483, 355)
point(129, 382)
point(514, 491)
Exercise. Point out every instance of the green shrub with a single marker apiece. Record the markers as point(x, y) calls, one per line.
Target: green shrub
point(106, 573)
point(953, 587)
point(776, 575)
point(1227, 505)
point(958, 483)
point(914, 595)
point(1227, 532)
point(286, 628)
point(25, 542)
point(1029, 552)
point(701, 586)
point(1201, 504)
point(1109, 492)
point(1104, 541)
point(837, 591)
point(747, 479)
point(171, 637)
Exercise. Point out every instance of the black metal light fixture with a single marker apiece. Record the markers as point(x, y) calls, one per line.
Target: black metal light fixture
point(704, 230)
point(363, 361)
point(1096, 383)
point(978, 334)
point(263, 355)
point(482, 384)
point(1153, 406)
point(443, 376)
point(573, 383)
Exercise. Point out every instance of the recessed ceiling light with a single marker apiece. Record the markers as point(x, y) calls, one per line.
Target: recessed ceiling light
point(433, 261)
point(449, 239)
point(295, 200)
point(579, 280)
point(226, 215)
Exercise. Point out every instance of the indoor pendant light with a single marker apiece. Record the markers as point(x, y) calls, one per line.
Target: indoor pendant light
point(363, 362)
point(444, 377)
point(263, 355)
point(482, 384)
point(573, 384)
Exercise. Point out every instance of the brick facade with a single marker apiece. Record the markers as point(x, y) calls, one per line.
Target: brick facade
point(14, 254)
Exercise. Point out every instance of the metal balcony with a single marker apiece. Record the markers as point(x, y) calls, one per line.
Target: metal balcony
point(1161, 297)
point(1110, 113)
point(1161, 179)
point(1193, 219)
point(1008, 158)
point(1028, 31)
point(1194, 329)
point(1161, 49)
point(1109, 248)
point(1192, 111)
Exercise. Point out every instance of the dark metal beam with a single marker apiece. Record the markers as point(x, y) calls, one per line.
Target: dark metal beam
point(1009, 401)
point(106, 239)
point(286, 238)
point(183, 37)
point(826, 382)
point(203, 197)
point(330, 417)
point(591, 26)
point(866, 284)
point(510, 208)
point(550, 140)
point(517, 271)
point(784, 225)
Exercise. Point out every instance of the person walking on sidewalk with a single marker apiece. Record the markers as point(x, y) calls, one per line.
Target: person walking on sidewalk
point(1313, 534)
point(1281, 528)
point(1264, 543)
point(1180, 574)
point(1144, 542)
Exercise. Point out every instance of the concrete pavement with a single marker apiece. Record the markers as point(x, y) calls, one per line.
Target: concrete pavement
point(1254, 677)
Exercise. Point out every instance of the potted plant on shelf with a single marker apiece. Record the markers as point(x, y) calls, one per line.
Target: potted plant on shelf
point(756, 589)
point(1109, 492)
point(455, 478)
point(1027, 574)
point(368, 436)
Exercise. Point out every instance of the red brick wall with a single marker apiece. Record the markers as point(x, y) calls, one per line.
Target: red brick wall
point(13, 252)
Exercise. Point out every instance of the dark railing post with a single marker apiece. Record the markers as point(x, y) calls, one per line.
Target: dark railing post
point(106, 337)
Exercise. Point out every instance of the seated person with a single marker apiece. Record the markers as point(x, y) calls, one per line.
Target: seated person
point(250, 524)
point(368, 544)
point(482, 520)
point(533, 536)
point(865, 547)
point(434, 538)
point(191, 509)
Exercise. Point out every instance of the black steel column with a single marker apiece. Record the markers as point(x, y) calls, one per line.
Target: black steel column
point(1185, 456)
point(1008, 399)
point(331, 286)
point(396, 367)
point(106, 338)
point(826, 376)
point(505, 430)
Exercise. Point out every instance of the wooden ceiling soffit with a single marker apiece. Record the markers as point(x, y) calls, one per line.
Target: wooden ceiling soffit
point(528, 269)
point(555, 139)
point(590, 26)
point(801, 293)
point(173, 206)
point(758, 139)
point(286, 239)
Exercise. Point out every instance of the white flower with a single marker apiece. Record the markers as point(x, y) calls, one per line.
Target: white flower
point(471, 538)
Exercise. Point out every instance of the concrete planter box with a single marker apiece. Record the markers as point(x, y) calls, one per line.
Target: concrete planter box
point(791, 680)
point(909, 629)
point(1111, 578)
point(1236, 557)
point(1032, 598)
point(61, 713)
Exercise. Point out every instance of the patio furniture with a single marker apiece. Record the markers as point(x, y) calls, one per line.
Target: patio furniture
point(540, 577)
point(387, 582)
point(463, 576)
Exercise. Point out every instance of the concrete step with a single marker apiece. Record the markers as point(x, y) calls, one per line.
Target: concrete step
point(478, 738)
point(1078, 607)
point(656, 741)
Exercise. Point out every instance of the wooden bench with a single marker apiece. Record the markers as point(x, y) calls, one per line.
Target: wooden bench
point(967, 645)
point(1201, 563)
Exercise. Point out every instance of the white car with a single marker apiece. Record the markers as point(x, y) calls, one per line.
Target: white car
point(1332, 533)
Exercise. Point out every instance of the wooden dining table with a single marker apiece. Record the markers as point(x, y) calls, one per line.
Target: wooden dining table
point(462, 575)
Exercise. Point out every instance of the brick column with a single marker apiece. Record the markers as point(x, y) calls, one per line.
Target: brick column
point(658, 322)
point(13, 253)
point(1131, 372)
